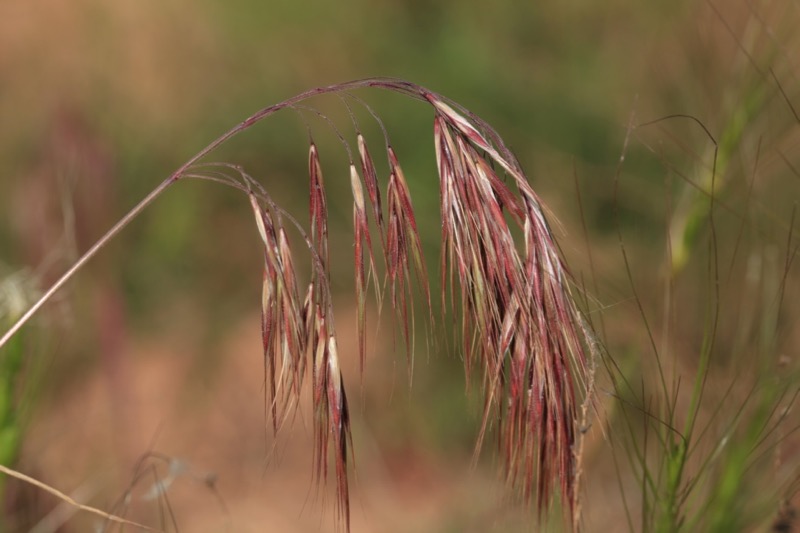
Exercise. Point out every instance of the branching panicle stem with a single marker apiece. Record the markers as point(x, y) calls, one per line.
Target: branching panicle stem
point(521, 326)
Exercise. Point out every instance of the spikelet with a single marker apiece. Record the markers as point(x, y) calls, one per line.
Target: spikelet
point(403, 247)
point(362, 276)
point(317, 205)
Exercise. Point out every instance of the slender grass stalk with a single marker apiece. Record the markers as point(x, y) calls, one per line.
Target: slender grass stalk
point(743, 104)
point(700, 447)
point(71, 501)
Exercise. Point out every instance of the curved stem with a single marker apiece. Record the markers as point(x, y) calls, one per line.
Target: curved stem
point(400, 86)
point(96, 247)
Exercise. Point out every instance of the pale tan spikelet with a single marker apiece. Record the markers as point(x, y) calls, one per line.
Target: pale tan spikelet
point(284, 335)
point(339, 419)
point(259, 214)
point(269, 315)
point(294, 330)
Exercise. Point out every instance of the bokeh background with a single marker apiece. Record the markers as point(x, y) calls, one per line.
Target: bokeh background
point(154, 347)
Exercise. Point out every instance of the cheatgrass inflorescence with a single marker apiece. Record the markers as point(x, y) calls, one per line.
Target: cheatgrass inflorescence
point(519, 320)
point(520, 326)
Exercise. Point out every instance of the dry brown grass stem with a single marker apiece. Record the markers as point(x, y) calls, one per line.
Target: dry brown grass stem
point(70, 501)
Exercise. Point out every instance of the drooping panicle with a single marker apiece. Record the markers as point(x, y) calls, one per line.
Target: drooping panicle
point(283, 329)
point(522, 332)
point(519, 320)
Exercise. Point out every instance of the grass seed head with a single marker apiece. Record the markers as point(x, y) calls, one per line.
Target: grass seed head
point(518, 308)
point(519, 322)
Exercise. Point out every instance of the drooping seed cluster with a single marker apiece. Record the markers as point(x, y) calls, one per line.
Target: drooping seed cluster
point(294, 333)
point(520, 326)
point(519, 320)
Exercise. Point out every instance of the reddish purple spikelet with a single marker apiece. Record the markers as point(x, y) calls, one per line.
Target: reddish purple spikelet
point(362, 240)
point(402, 247)
point(318, 209)
point(371, 181)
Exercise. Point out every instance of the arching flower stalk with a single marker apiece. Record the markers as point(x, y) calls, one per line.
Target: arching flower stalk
point(520, 325)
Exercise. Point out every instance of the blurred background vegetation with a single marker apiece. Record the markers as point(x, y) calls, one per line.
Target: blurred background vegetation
point(155, 346)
